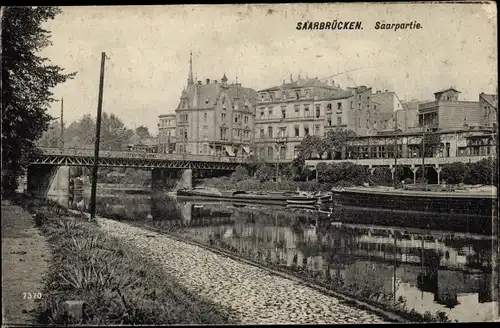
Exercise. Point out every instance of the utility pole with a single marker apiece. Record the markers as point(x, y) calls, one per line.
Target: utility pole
point(61, 141)
point(395, 148)
point(423, 148)
point(97, 140)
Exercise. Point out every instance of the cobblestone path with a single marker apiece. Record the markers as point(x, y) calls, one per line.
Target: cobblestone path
point(256, 296)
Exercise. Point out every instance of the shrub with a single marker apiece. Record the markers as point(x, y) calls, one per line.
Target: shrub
point(454, 173)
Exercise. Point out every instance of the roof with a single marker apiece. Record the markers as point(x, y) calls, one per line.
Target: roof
point(449, 89)
point(300, 84)
point(167, 115)
point(207, 95)
point(490, 99)
point(341, 95)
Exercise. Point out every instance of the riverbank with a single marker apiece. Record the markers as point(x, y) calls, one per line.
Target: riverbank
point(108, 281)
point(25, 257)
point(253, 294)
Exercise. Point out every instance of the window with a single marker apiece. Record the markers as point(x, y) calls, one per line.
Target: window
point(271, 96)
point(359, 106)
point(306, 130)
point(339, 120)
point(270, 152)
point(306, 110)
point(283, 112)
point(282, 132)
point(261, 114)
point(339, 107)
point(297, 133)
point(205, 149)
point(235, 118)
point(270, 110)
point(262, 98)
point(205, 117)
point(317, 129)
point(262, 133)
point(359, 122)
point(223, 135)
point(329, 120)
point(297, 110)
point(368, 99)
point(270, 131)
point(246, 107)
point(359, 97)
point(352, 104)
point(245, 119)
point(223, 117)
point(318, 111)
point(329, 108)
point(297, 94)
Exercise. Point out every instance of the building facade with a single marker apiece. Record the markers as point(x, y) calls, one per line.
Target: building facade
point(286, 114)
point(215, 118)
point(166, 133)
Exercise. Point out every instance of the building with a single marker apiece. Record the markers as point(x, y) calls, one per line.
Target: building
point(488, 104)
point(148, 145)
point(215, 118)
point(289, 112)
point(385, 104)
point(446, 112)
point(166, 133)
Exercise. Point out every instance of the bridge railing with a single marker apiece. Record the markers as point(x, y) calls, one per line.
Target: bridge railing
point(141, 155)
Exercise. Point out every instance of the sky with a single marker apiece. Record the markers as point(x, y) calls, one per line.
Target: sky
point(148, 49)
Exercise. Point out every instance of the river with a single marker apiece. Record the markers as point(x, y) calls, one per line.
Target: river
point(433, 270)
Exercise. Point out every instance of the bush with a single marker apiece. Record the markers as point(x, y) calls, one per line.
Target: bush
point(454, 173)
point(116, 282)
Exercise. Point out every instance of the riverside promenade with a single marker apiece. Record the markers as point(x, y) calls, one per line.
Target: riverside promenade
point(254, 295)
point(25, 256)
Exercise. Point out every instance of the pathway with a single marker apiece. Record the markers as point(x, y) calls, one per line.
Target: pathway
point(25, 254)
point(255, 295)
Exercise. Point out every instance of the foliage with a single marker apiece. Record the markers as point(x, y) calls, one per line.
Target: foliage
point(482, 172)
point(143, 132)
point(27, 80)
point(311, 147)
point(265, 172)
point(432, 143)
point(454, 173)
point(241, 173)
point(103, 272)
point(335, 140)
point(51, 137)
point(343, 173)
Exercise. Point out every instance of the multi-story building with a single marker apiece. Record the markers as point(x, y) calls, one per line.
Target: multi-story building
point(488, 105)
point(166, 133)
point(289, 112)
point(385, 104)
point(446, 112)
point(215, 118)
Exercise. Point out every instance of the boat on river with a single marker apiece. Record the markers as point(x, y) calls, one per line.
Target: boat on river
point(282, 198)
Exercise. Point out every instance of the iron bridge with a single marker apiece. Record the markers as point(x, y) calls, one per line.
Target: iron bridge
point(85, 157)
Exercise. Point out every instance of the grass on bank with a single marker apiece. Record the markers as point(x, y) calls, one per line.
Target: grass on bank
point(116, 282)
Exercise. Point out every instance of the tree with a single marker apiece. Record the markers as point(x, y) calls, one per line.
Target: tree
point(335, 140)
point(143, 132)
point(51, 137)
point(80, 133)
point(432, 142)
point(114, 134)
point(310, 147)
point(27, 80)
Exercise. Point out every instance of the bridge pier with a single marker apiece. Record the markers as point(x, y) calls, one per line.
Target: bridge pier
point(171, 179)
point(49, 182)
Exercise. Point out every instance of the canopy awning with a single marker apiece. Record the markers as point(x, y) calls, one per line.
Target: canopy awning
point(246, 149)
point(229, 150)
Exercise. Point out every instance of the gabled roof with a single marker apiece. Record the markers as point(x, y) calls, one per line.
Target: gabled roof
point(492, 100)
point(449, 89)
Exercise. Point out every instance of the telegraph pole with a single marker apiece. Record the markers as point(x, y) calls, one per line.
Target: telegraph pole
point(97, 140)
point(61, 142)
point(395, 148)
point(423, 147)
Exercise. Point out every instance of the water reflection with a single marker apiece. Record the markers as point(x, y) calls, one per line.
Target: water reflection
point(433, 271)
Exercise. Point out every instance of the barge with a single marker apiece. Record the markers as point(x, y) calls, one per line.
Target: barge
point(466, 212)
point(274, 198)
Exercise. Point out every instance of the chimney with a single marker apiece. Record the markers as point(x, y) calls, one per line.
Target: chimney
point(386, 90)
point(208, 81)
point(199, 82)
point(333, 82)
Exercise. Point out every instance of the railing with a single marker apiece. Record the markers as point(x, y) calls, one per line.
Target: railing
point(415, 161)
point(142, 155)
